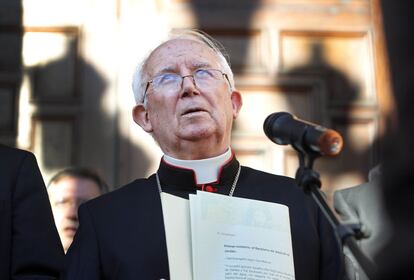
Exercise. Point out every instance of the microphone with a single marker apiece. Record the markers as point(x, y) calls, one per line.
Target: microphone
point(284, 128)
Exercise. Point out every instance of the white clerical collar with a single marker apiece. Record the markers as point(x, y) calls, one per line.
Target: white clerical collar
point(206, 170)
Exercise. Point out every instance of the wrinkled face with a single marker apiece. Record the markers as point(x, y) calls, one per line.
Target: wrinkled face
point(194, 113)
point(65, 197)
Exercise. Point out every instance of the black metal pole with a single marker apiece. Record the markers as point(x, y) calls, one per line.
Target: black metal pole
point(309, 181)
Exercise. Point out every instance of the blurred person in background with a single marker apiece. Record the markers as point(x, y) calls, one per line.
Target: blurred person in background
point(68, 189)
point(362, 207)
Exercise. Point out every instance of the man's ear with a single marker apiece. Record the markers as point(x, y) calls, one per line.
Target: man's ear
point(140, 116)
point(237, 102)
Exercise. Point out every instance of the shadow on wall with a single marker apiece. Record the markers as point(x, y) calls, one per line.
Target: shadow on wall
point(340, 95)
point(226, 20)
point(71, 126)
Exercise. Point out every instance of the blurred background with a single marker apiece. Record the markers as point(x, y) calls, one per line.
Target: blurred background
point(66, 68)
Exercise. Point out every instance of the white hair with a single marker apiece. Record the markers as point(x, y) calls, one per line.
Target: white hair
point(138, 83)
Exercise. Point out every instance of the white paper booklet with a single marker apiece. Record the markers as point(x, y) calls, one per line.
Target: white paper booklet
point(231, 238)
point(176, 215)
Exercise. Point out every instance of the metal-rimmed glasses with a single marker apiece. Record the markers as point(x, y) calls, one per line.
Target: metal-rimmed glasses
point(172, 82)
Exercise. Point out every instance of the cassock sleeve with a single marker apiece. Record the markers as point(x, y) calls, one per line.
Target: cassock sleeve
point(82, 259)
point(36, 251)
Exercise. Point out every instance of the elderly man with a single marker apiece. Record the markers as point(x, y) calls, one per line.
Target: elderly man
point(67, 190)
point(29, 242)
point(187, 100)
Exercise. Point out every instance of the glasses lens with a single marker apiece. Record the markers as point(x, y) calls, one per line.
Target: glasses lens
point(207, 77)
point(203, 78)
point(167, 81)
point(207, 74)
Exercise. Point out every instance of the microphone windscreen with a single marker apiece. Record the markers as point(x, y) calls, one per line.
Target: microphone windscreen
point(330, 143)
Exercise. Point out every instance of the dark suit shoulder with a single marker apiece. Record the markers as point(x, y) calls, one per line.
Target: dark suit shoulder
point(16, 164)
point(267, 182)
point(133, 195)
point(264, 176)
point(260, 185)
point(7, 151)
point(11, 158)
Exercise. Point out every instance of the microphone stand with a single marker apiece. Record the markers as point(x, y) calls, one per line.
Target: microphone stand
point(309, 181)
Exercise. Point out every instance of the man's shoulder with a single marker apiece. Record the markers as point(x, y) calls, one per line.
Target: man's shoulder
point(12, 154)
point(137, 192)
point(13, 161)
point(259, 176)
point(364, 193)
point(274, 188)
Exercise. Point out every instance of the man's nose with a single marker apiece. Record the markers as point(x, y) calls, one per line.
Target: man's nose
point(72, 211)
point(189, 86)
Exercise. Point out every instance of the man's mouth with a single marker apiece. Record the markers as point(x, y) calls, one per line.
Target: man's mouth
point(70, 230)
point(193, 111)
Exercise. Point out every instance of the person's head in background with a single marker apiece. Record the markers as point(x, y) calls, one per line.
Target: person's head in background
point(67, 190)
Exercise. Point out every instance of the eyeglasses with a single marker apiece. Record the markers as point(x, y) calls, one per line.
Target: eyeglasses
point(172, 82)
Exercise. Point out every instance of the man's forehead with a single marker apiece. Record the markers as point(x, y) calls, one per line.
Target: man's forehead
point(181, 50)
point(72, 182)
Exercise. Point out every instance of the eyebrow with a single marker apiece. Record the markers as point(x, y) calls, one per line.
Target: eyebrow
point(167, 69)
point(198, 65)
